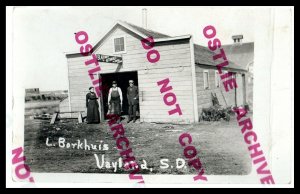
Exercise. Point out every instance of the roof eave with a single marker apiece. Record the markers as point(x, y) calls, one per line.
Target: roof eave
point(173, 38)
point(121, 23)
point(226, 68)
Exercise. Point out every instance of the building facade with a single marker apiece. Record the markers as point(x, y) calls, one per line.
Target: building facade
point(190, 68)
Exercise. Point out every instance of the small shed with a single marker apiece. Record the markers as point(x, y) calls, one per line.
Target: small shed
point(190, 68)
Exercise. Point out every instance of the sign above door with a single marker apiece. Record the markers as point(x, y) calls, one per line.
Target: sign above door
point(109, 59)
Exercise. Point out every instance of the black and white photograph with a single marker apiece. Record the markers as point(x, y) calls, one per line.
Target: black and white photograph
point(147, 92)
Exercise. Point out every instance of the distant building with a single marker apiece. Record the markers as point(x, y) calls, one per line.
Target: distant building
point(33, 94)
point(242, 54)
point(55, 92)
point(32, 91)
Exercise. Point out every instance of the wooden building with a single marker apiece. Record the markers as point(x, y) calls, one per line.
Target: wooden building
point(243, 54)
point(190, 68)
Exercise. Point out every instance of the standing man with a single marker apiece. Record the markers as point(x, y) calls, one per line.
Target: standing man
point(115, 99)
point(133, 100)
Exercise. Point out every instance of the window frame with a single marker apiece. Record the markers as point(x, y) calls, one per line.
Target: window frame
point(217, 79)
point(113, 43)
point(208, 87)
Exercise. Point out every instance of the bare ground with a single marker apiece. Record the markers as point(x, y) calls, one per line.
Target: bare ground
point(220, 147)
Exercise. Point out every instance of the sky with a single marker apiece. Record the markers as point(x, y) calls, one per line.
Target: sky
point(42, 35)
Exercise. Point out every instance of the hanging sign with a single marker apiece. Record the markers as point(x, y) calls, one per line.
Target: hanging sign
point(109, 59)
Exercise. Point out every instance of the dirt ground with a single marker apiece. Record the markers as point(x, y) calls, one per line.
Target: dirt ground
point(220, 147)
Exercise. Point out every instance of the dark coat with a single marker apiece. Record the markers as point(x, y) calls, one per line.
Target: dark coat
point(133, 92)
point(92, 106)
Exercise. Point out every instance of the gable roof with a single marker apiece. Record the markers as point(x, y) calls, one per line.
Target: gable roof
point(203, 56)
point(240, 53)
point(148, 32)
point(141, 32)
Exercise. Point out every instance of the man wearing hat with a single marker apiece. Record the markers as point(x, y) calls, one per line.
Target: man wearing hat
point(133, 100)
point(115, 99)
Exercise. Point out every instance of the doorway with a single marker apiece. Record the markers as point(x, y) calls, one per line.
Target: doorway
point(122, 80)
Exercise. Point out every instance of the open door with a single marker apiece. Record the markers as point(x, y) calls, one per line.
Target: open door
point(122, 82)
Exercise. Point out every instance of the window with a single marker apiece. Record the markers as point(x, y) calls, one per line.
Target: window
point(233, 75)
point(119, 44)
point(217, 79)
point(205, 79)
point(230, 77)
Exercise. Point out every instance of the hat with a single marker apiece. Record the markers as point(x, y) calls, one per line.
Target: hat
point(90, 88)
point(114, 82)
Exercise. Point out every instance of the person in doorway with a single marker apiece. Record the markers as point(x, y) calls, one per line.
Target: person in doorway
point(133, 99)
point(92, 106)
point(115, 99)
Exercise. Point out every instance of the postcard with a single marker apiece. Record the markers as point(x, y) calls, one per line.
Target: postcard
point(150, 96)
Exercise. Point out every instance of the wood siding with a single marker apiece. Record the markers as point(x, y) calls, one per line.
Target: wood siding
point(204, 95)
point(174, 63)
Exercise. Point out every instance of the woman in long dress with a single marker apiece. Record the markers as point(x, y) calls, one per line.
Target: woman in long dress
point(92, 106)
point(115, 99)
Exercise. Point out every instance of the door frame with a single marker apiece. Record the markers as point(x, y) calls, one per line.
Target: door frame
point(102, 115)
